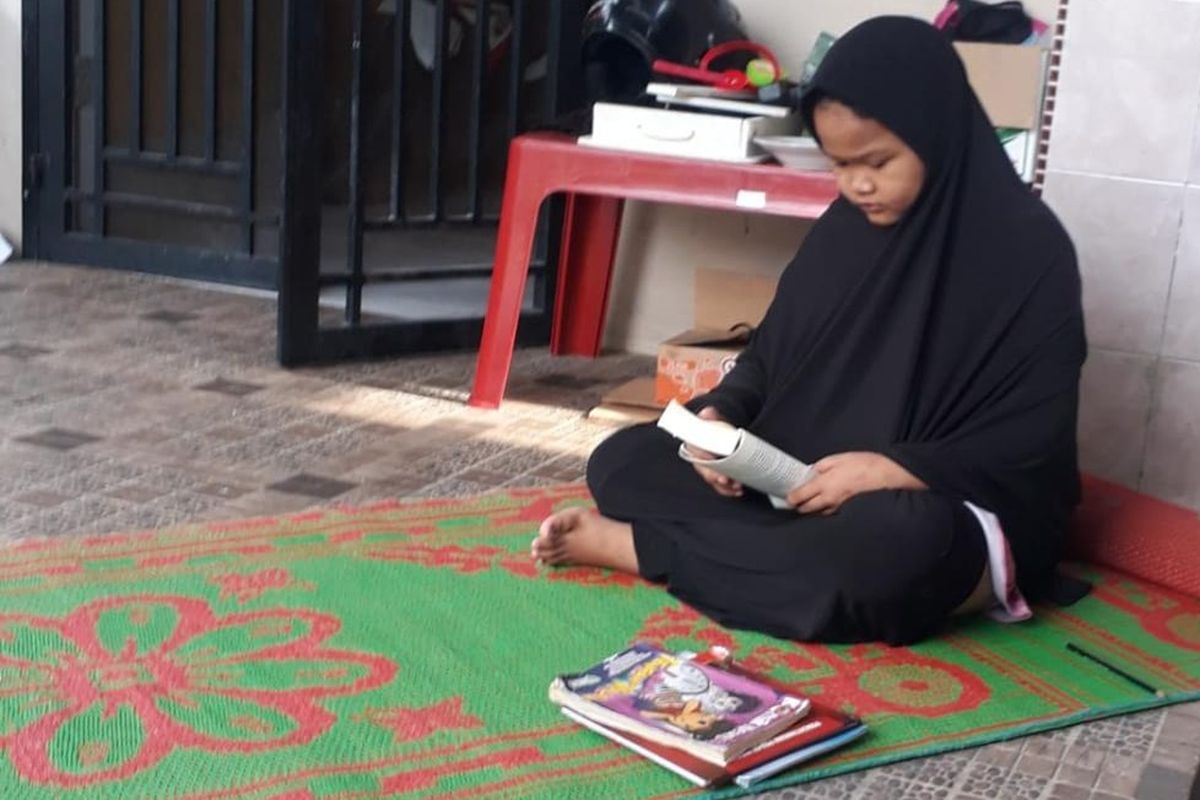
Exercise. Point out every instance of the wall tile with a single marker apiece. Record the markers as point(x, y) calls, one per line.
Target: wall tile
point(1194, 175)
point(1126, 234)
point(1173, 445)
point(1114, 405)
point(1182, 338)
point(1127, 98)
point(1125, 116)
point(1159, 29)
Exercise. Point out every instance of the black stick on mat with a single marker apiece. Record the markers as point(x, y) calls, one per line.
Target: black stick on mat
point(1076, 649)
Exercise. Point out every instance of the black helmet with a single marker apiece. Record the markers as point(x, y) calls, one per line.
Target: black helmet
point(622, 38)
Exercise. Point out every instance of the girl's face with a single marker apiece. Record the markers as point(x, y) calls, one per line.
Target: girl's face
point(875, 169)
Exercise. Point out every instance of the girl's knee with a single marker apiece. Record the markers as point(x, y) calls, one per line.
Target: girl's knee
point(611, 461)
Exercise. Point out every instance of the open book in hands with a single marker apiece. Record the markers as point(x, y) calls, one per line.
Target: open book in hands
point(738, 453)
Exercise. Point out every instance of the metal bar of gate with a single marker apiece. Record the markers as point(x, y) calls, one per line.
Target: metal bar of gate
point(562, 52)
point(475, 145)
point(399, 78)
point(172, 145)
point(409, 275)
point(247, 188)
point(99, 88)
point(354, 233)
point(515, 74)
point(300, 193)
point(150, 202)
point(438, 110)
point(153, 160)
point(554, 54)
point(135, 76)
point(386, 224)
point(210, 80)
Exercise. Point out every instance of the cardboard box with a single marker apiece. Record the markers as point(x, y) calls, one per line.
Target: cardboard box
point(693, 362)
point(629, 403)
point(1009, 79)
point(727, 306)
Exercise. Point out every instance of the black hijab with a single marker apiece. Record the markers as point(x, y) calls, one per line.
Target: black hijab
point(952, 341)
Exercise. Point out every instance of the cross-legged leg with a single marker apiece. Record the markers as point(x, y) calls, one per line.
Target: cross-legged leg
point(890, 566)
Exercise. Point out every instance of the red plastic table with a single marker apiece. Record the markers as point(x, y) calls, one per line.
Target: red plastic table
point(596, 183)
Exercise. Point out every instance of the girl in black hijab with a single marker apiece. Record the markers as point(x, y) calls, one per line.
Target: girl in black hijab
point(923, 349)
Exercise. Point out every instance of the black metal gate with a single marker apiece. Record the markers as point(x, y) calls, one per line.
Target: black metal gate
point(349, 153)
point(143, 118)
point(408, 107)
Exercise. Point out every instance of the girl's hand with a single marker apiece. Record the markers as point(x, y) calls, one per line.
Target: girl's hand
point(724, 486)
point(842, 476)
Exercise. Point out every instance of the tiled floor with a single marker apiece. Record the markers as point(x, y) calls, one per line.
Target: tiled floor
point(129, 402)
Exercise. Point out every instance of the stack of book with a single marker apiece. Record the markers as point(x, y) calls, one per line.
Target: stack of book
point(703, 718)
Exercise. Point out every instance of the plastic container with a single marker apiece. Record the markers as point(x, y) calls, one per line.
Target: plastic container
point(796, 152)
point(687, 134)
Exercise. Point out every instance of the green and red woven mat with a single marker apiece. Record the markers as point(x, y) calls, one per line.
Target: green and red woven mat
point(405, 649)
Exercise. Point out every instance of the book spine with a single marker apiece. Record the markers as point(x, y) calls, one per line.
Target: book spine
point(617, 721)
point(615, 736)
point(751, 777)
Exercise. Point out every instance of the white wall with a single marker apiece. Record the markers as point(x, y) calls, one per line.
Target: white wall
point(789, 28)
point(1124, 176)
point(661, 247)
point(10, 119)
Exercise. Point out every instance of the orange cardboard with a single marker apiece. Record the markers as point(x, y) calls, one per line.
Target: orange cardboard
point(630, 402)
point(727, 305)
point(725, 299)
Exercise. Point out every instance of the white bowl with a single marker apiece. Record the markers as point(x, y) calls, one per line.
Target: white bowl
point(797, 152)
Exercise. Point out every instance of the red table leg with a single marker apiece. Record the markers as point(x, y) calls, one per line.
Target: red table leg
point(591, 227)
point(524, 192)
point(541, 164)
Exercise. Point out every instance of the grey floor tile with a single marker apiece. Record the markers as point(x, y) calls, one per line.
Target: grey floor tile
point(1161, 783)
point(231, 388)
point(316, 486)
point(1065, 791)
point(169, 317)
point(23, 352)
point(58, 439)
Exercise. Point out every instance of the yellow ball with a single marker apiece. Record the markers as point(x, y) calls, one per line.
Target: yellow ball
point(761, 72)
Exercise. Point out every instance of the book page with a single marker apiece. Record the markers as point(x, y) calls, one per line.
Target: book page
point(741, 455)
point(719, 438)
point(760, 466)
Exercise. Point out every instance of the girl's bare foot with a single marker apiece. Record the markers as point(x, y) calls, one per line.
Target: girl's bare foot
point(583, 538)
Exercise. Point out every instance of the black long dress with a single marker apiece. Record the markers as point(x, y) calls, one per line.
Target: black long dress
point(951, 342)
